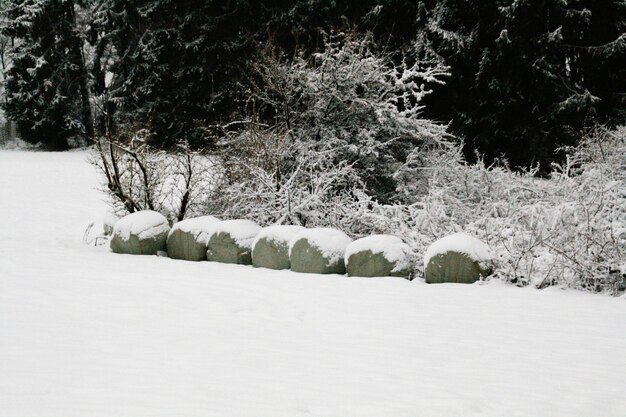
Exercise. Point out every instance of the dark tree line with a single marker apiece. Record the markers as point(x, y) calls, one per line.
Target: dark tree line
point(527, 76)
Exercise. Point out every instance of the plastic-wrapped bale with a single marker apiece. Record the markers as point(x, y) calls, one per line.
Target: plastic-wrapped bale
point(230, 241)
point(270, 248)
point(188, 238)
point(457, 258)
point(378, 256)
point(319, 251)
point(140, 233)
point(108, 223)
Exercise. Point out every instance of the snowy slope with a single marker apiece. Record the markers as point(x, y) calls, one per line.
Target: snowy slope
point(84, 332)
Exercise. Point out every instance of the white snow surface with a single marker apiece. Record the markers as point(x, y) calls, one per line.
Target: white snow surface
point(243, 232)
point(86, 332)
point(277, 233)
point(144, 224)
point(392, 248)
point(462, 243)
point(331, 243)
point(197, 226)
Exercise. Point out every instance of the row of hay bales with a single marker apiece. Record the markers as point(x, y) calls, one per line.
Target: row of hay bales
point(456, 258)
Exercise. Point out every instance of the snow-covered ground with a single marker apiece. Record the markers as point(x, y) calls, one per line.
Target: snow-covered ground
point(84, 332)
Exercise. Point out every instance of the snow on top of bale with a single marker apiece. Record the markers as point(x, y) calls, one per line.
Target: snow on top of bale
point(144, 224)
point(462, 243)
point(198, 226)
point(331, 243)
point(108, 222)
point(242, 231)
point(392, 248)
point(278, 233)
point(109, 219)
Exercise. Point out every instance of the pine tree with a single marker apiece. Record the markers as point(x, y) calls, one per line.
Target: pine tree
point(47, 86)
point(175, 65)
point(5, 44)
point(528, 76)
point(594, 35)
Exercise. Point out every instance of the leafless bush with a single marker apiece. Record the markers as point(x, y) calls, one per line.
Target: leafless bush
point(137, 176)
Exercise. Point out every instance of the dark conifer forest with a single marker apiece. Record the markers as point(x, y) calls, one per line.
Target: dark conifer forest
point(524, 77)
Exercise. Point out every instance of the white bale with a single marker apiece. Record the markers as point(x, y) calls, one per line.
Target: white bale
point(320, 250)
point(140, 233)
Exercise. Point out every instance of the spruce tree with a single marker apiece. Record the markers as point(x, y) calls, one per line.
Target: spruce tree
point(176, 64)
point(47, 87)
point(527, 76)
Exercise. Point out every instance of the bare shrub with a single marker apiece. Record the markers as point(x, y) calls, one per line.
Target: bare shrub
point(137, 176)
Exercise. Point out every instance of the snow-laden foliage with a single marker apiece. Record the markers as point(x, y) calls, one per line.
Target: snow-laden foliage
point(345, 122)
point(567, 230)
point(346, 148)
point(344, 152)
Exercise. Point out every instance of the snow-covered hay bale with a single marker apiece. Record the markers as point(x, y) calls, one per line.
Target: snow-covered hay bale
point(270, 248)
point(319, 251)
point(230, 241)
point(188, 238)
point(108, 223)
point(140, 233)
point(457, 258)
point(378, 256)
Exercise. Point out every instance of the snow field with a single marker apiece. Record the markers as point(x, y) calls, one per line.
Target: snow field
point(85, 332)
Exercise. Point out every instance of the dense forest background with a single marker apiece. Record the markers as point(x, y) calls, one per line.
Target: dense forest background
point(524, 77)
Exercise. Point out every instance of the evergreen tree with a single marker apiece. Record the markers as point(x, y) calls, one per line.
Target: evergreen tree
point(47, 87)
point(180, 66)
point(527, 75)
point(594, 35)
point(5, 63)
point(175, 64)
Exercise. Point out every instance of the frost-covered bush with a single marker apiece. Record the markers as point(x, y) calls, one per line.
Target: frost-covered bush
point(568, 229)
point(346, 121)
point(313, 191)
point(338, 141)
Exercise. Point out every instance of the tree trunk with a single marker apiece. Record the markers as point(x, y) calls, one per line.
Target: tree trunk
point(83, 76)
